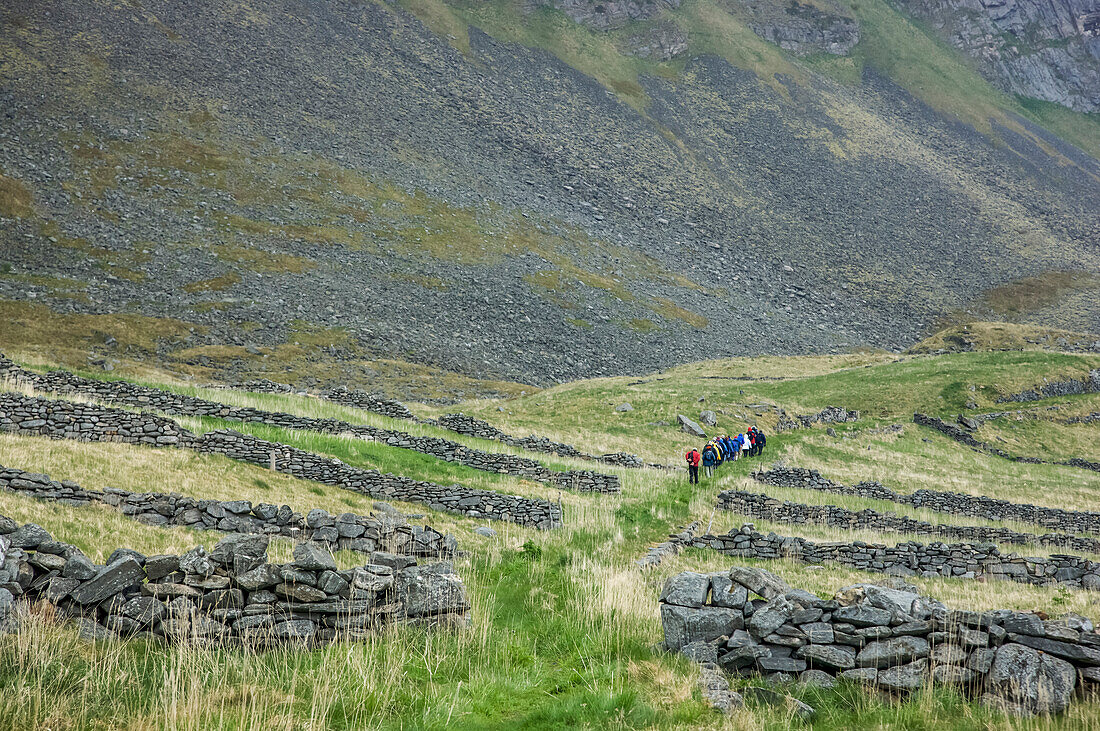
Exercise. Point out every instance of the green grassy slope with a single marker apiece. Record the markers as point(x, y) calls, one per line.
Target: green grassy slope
point(562, 621)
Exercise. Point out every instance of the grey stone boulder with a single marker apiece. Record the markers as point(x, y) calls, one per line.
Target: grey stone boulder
point(196, 562)
point(771, 616)
point(427, 591)
point(688, 589)
point(624, 407)
point(157, 567)
point(1079, 653)
point(80, 568)
point(368, 581)
point(144, 610)
point(121, 553)
point(862, 615)
point(295, 629)
point(861, 675)
point(832, 657)
point(724, 593)
point(907, 677)
point(689, 624)
point(689, 426)
point(818, 678)
point(708, 417)
point(758, 581)
point(240, 552)
point(701, 652)
point(1034, 681)
point(109, 580)
point(91, 631)
point(743, 657)
point(311, 557)
point(300, 592)
point(894, 651)
point(953, 675)
point(29, 536)
point(894, 600)
point(485, 531)
point(260, 577)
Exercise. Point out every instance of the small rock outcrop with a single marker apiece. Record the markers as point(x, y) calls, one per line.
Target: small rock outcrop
point(690, 427)
point(802, 28)
point(1047, 50)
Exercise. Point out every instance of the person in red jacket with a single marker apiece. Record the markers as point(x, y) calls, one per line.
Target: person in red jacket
point(693, 458)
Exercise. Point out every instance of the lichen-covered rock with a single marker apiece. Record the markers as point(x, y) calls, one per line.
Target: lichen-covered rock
point(1036, 682)
point(110, 580)
point(240, 552)
point(427, 591)
point(687, 589)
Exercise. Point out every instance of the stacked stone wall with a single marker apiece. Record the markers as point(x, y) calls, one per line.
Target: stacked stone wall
point(757, 505)
point(469, 426)
point(954, 503)
point(1054, 389)
point(959, 560)
point(92, 422)
point(749, 622)
point(963, 436)
point(231, 595)
point(345, 532)
point(369, 402)
point(454, 498)
point(127, 394)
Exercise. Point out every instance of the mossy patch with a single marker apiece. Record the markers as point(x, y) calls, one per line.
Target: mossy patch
point(214, 284)
point(258, 260)
point(15, 199)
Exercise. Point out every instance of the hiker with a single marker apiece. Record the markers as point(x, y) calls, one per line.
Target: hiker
point(710, 459)
point(761, 441)
point(729, 447)
point(751, 436)
point(693, 458)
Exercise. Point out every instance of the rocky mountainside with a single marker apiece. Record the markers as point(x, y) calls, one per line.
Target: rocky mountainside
point(498, 190)
point(1046, 49)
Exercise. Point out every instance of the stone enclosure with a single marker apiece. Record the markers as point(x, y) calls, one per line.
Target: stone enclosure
point(953, 503)
point(231, 595)
point(764, 507)
point(960, 560)
point(143, 397)
point(749, 623)
point(90, 422)
point(345, 532)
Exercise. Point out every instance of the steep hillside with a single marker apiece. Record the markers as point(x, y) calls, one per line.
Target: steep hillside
point(496, 190)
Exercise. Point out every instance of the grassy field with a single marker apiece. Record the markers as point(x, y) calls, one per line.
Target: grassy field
point(563, 622)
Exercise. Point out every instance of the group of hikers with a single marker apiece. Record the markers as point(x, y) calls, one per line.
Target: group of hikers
point(724, 449)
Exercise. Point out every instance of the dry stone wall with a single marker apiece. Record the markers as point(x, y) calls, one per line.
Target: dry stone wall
point(1054, 389)
point(229, 595)
point(469, 426)
point(127, 394)
point(92, 422)
point(749, 622)
point(963, 436)
point(454, 498)
point(369, 402)
point(758, 505)
point(346, 532)
point(954, 503)
point(959, 560)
